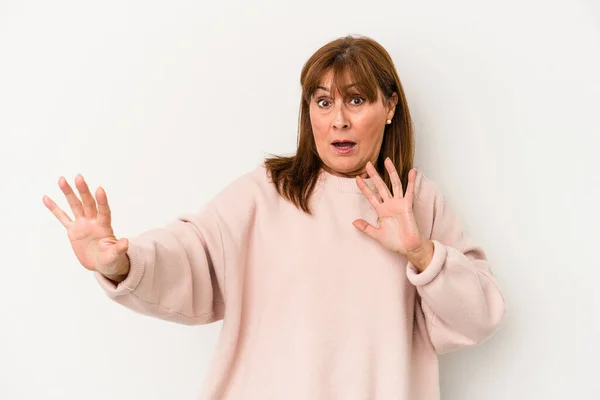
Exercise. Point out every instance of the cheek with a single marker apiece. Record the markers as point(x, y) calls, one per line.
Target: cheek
point(368, 128)
point(319, 125)
point(369, 120)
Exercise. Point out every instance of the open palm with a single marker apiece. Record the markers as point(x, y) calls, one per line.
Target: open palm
point(397, 230)
point(91, 234)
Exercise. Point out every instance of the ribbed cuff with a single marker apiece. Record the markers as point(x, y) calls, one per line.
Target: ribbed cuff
point(137, 266)
point(433, 269)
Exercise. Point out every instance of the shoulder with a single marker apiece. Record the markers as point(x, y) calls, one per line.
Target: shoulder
point(429, 202)
point(254, 182)
point(245, 191)
point(426, 190)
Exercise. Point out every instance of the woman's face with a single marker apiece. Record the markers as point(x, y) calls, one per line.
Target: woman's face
point(354, 120)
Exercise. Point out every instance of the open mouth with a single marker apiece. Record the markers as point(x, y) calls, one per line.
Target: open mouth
point(344, 145)
point(343, 148)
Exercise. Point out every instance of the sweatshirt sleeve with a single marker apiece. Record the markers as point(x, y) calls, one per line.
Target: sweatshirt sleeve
point(459, 296)
point(176, 272)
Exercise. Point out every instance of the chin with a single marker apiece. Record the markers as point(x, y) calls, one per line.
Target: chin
point(348, 168)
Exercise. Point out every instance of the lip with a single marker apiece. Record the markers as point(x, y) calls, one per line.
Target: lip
point(342, 151)
point(342, 141)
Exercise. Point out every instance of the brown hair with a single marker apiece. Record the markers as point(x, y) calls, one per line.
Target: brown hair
point(371, 68)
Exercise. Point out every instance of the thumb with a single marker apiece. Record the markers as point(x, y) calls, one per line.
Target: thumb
point(365, 227)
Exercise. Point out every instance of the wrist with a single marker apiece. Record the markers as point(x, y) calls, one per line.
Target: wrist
point(421, 256)
point(115, 278)
point(120, 270)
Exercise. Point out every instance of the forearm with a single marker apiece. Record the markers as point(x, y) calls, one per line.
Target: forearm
point(170, 272)
point(460, 292)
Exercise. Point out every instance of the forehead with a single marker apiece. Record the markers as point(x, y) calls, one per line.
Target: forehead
point(328, 80)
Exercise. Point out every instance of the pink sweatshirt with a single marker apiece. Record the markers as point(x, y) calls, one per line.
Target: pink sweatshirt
point(312, 308)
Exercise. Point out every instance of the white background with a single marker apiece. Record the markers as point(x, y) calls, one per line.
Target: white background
point(165, 103)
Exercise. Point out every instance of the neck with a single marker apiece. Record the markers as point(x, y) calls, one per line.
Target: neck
point(362, 173)
point(342, 182)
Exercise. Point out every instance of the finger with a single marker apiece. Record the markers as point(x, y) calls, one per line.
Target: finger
point(410, 187)
point(72, 198)
point(378, 196)
point(104, 215)
point(366, 190)
point(395, 178)
point(89, 204)
point(365, 227)
point(379, 183)
point(56, 210)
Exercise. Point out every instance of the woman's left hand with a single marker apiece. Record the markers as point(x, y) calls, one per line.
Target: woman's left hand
point(397, 230)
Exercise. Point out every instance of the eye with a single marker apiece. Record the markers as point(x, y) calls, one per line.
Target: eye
point(320, 103)
point(358, 98)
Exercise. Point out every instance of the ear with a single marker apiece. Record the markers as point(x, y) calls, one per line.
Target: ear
point(391, 105)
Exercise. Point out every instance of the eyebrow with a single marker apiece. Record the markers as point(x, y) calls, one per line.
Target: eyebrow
point(345, 87)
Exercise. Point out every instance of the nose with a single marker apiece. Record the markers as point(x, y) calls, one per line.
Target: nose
point(340, 120)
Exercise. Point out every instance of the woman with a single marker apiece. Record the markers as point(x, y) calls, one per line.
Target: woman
point(312, 307)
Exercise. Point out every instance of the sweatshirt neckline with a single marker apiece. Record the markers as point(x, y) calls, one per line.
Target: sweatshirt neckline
point(341, 183)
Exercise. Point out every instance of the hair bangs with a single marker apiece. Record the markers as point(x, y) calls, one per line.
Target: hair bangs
point(349, 75)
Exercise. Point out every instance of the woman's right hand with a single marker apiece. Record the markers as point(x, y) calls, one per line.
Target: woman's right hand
point(91, 234)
